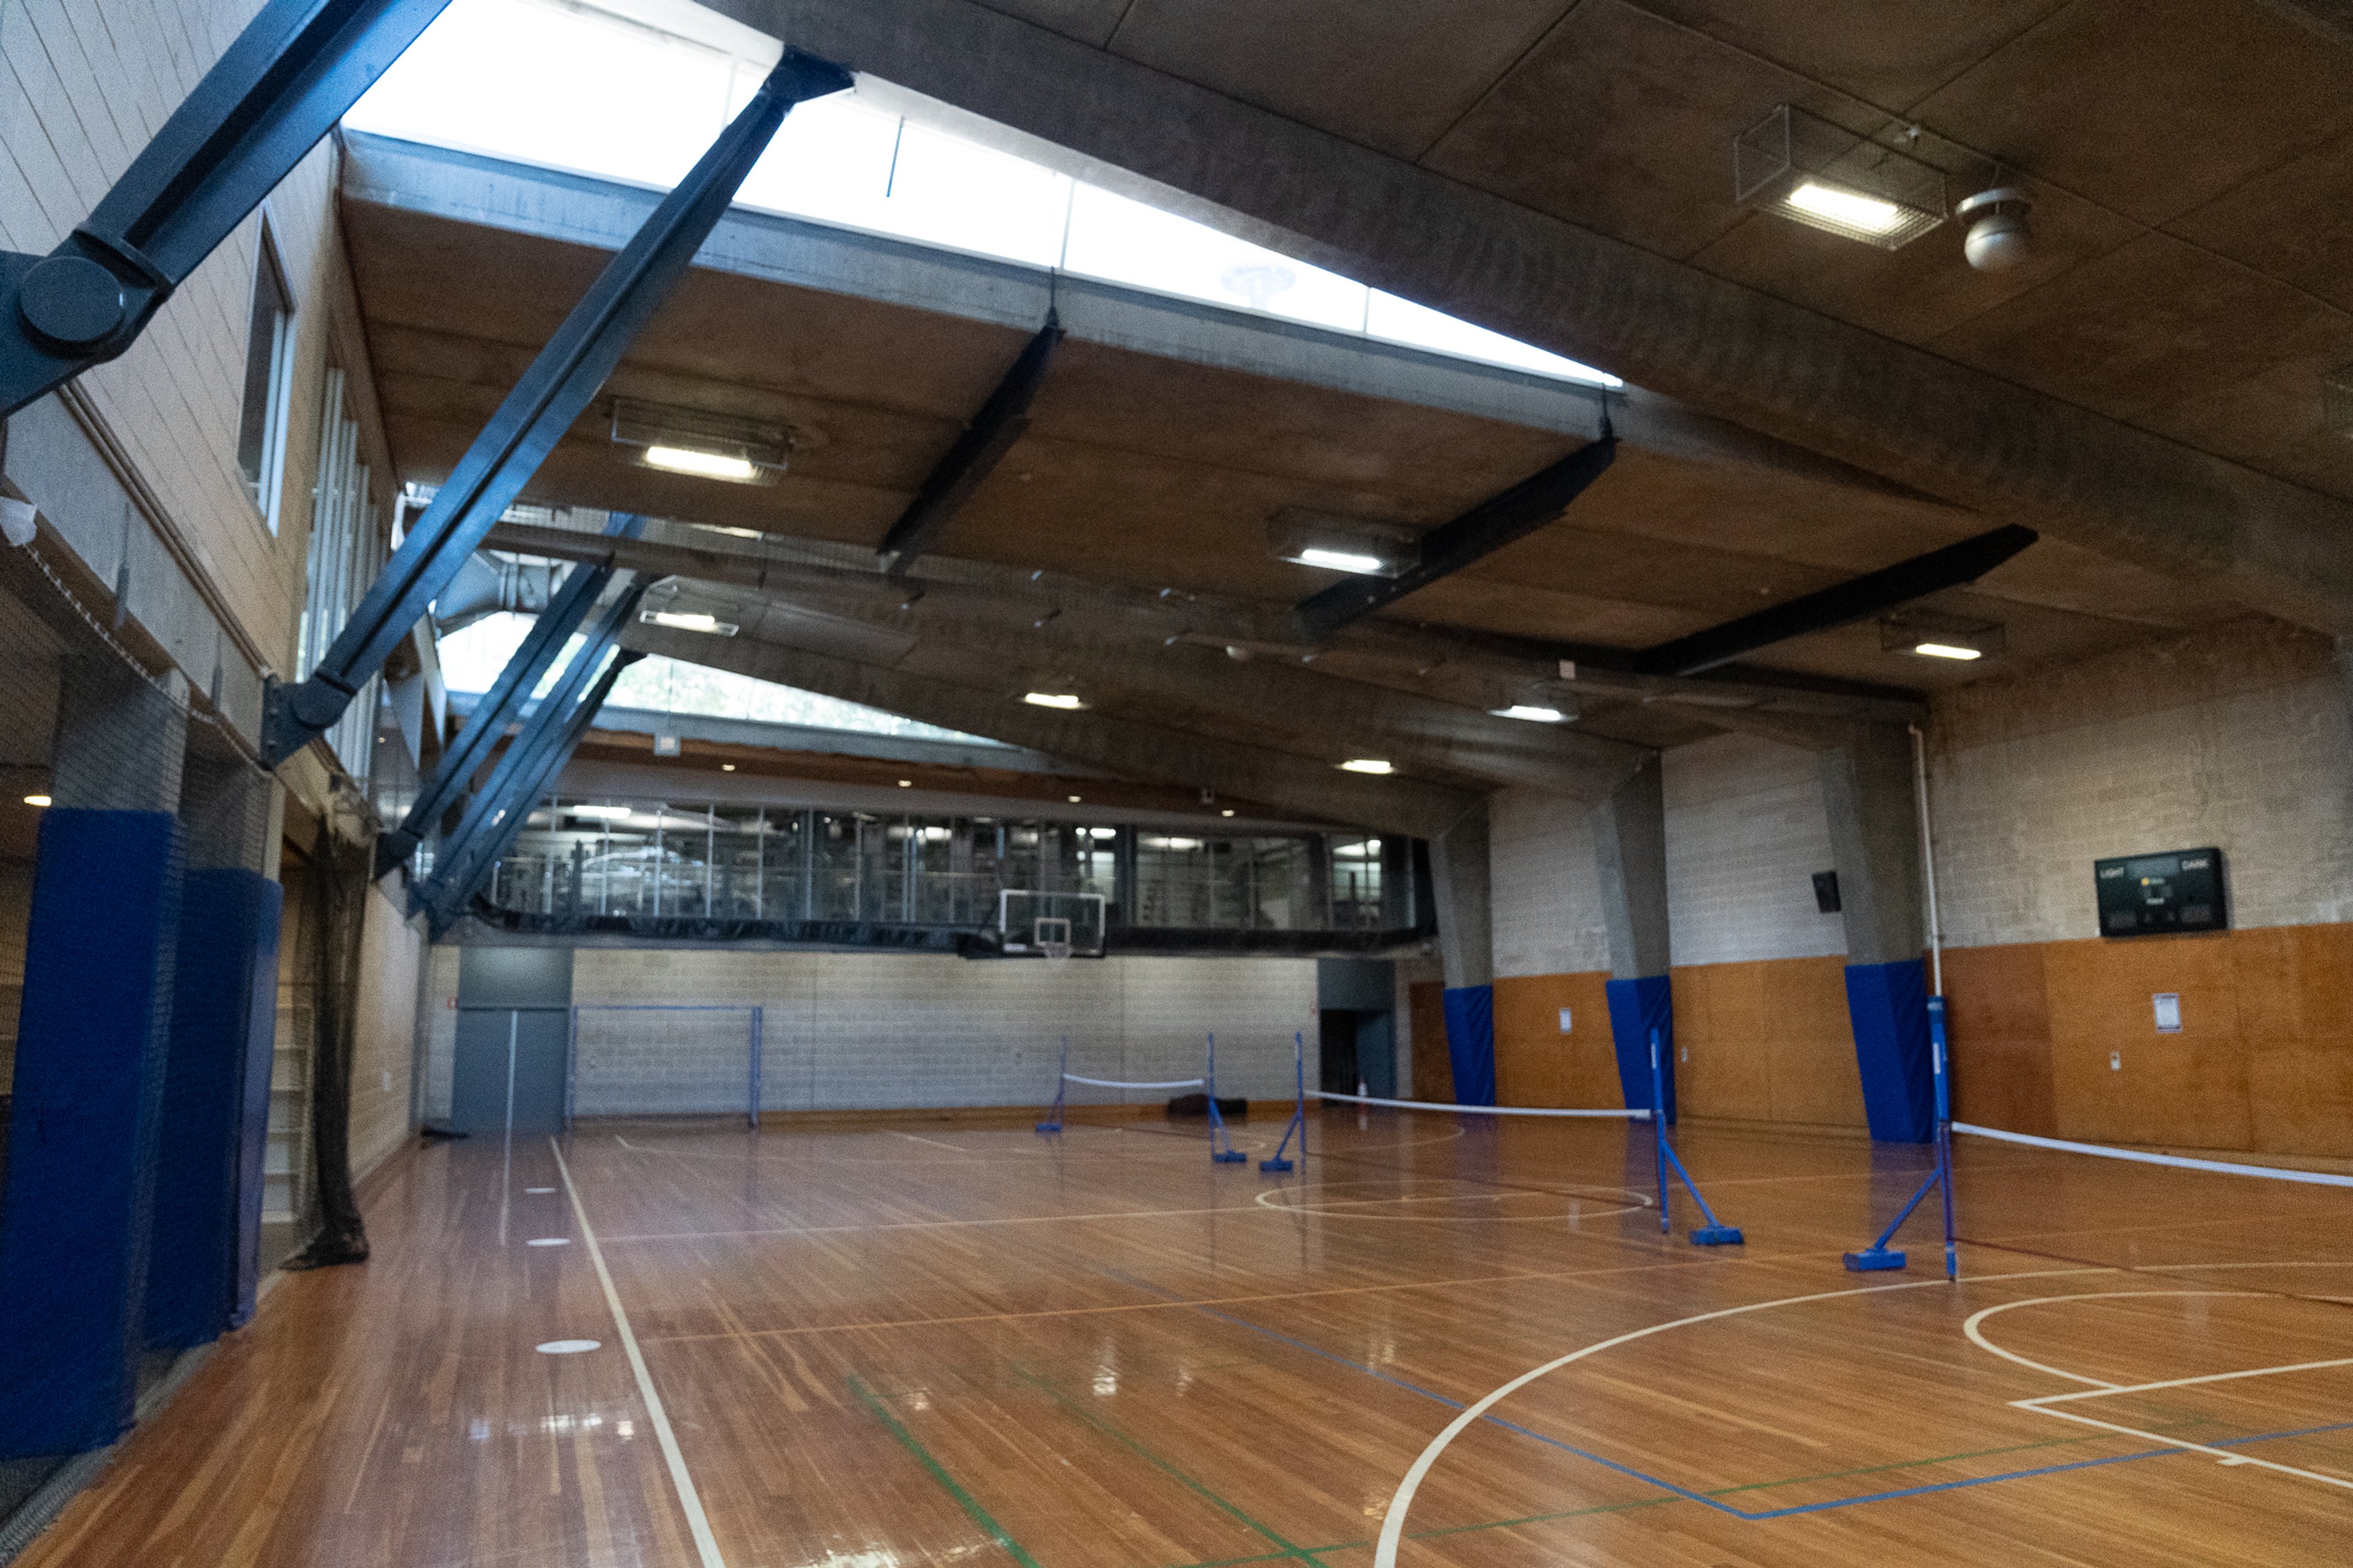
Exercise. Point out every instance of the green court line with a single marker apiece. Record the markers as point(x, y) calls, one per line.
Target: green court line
point(965, 1500)
point(1101, 1424)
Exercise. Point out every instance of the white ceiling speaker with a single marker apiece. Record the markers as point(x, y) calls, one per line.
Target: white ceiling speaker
point(1998, 232)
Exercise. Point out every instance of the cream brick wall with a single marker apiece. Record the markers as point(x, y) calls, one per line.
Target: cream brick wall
point(1546, 891)
point(874, 1031)
point(1745, 831)
point(2237, 737)
point(383, 1034)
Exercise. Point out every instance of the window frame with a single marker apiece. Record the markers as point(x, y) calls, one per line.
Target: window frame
point(267, 488)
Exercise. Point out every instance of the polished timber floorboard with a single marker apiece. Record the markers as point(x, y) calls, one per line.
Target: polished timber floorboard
point(959, 1344)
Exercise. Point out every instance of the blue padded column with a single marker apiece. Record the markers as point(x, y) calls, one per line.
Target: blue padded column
point(1888, 1004)
point(1471, 1042)
point(198, 1270)
point(1637, 1007)
point(90, 1051)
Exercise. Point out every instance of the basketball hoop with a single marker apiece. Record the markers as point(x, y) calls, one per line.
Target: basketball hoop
point(1051, 936)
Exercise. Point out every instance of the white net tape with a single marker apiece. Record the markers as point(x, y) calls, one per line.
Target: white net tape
point(1116, 1083)
point(1479, 1110)
point(2178, 1161)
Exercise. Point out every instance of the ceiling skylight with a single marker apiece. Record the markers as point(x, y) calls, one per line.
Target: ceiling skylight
point(584, 87)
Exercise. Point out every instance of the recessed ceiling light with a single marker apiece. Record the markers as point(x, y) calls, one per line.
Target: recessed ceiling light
point(1850, 209)
point(1228, 812)
point(1101, 833)
point(36, 800)
point(906, 783)
point(1947, 650)
point(727, 767)
point(1050, 699)
point(1531, 712)
point(1074, 800)
point(1367, 765)
point(602, 813)
point(685, 622)
point(1339, 560)
point(703, 465)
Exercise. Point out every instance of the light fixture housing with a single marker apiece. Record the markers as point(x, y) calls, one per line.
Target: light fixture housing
point(1368, 547)
point(1828, 177)
point(1378, 766)
point(703, 445)
point(38, 800)
point(601, 813)
point(689, 621)
point(1531, 712)
point(1997, 233)
point(1065, 700)
point(1933, 634)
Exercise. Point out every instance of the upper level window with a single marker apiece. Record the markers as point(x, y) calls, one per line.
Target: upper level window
point(268, 378)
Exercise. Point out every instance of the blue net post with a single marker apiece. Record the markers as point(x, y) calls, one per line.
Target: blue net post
point(1658, 1128)
point(1053, 1123)
point(1276, 1162)
point(753, 1111)
point(1715, 1233)
point(1878, 1255)
point(1221, 1144)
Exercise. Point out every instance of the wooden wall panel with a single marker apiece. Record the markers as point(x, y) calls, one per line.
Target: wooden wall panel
point(2189, 1087)
point(1768, 1041)
point(1433, 1070)
point(1997, 1023)
point(1536, 1064)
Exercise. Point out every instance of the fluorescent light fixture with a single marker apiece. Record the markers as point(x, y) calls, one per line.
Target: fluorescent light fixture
point(1948, 650)
point(602, 813)
point(729, 532)
point(688, 622)
point(1051, 699)
point(1828, 177)
point(1356, 851)
point(727, 767)
point(1367, 765)
point(1074, 800)
point(36, 800)
point(705, 445)
point(1228, 812)
point(1157, 843)
point(1100, 833)
point(1339, 560)
point(703, 465)
point(1849, 209)
point(906, 783)
point(1531, 712)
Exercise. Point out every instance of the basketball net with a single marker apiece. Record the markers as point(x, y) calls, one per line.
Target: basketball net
point(1051, 935)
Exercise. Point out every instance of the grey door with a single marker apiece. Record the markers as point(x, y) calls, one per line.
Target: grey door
point(509, 1069)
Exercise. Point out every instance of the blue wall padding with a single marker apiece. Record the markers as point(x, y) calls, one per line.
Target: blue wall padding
point(1888, 1004)
point(192, 1276)
point(82, 1135)
point(253, 1097)
point(1470, 1042)
point(1637, 1007)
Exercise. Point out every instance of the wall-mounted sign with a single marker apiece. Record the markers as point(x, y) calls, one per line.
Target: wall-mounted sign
point(1563, 1020)
point(2168, 1011)
point(2153, 895)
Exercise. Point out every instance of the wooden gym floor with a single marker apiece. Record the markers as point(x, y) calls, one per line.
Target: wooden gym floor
point(960, 1344)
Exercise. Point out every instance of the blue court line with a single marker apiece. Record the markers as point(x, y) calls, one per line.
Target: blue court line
point(1685, 1493)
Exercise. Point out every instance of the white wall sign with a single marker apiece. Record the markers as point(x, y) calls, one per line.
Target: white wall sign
point(1563, 1020)
point(2168, 1012)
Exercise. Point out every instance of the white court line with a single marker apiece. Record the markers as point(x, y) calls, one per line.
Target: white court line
point(1393, 1523)
point(1478, 1109)
point(706, 1546)
point(1331, 1209)
point(934, 1143)
point(2041, 1405)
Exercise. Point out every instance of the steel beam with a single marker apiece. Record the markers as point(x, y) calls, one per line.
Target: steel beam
point(991, 434)
point(1312, 789)
point(280, 86)
point(553, 393)
point(498, 706)
point(1853, 600)
point(502, 792)
point(452, 896)
point(1447, 549)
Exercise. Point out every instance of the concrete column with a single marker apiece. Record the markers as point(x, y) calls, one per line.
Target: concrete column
point(1461, 880)
point(91, 1049)
point(1869, 794)
point(1630, 851)
point(1867, 789)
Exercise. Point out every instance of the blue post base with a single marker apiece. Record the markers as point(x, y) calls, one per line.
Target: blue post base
point(1228, 1156)
point(1718, 1236)
point(1872, 1258)
point(1277, 1164)
point(1048, 1127)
